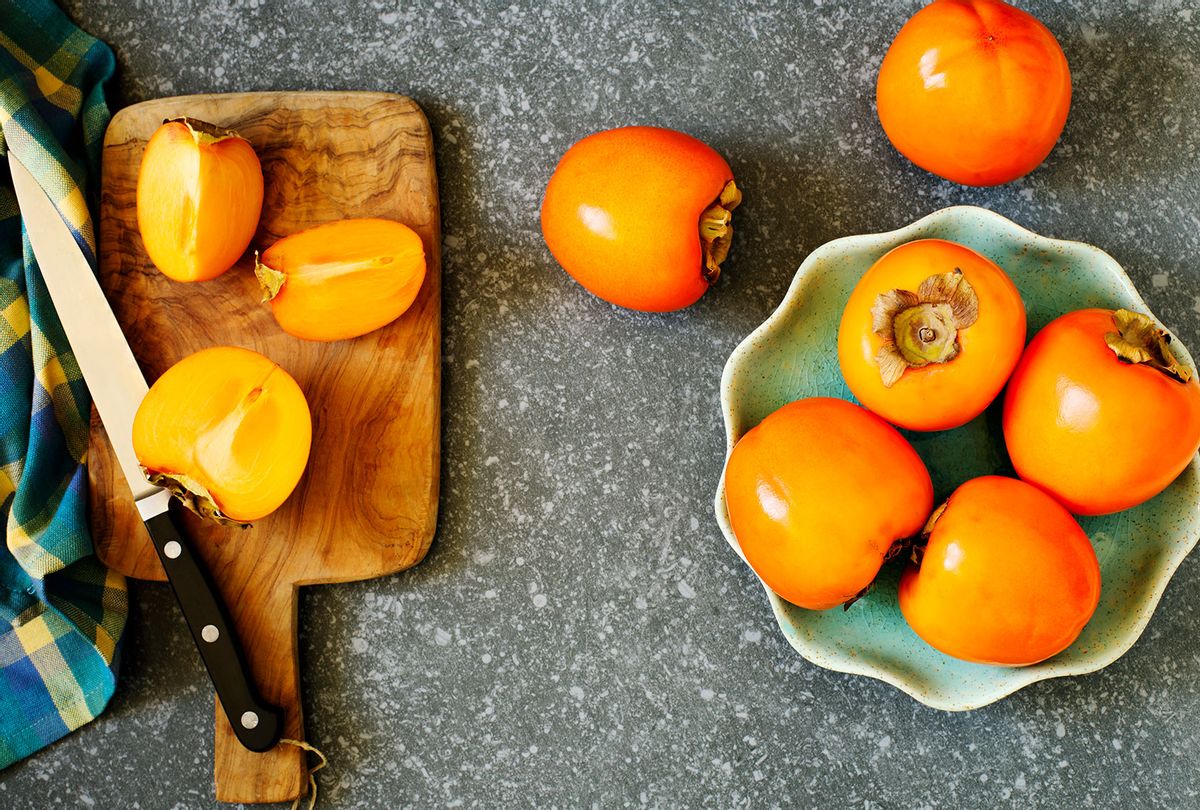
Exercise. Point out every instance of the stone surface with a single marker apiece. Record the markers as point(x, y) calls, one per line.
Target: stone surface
point(580, 633)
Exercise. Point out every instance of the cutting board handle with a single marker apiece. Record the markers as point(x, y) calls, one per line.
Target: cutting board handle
point(267, 625)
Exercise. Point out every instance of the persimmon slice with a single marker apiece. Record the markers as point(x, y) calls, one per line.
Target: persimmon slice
point(227, 431)
point(342, 279)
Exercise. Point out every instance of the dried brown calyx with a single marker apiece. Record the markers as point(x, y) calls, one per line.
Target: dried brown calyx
point(192, 494)
point(922, 328)
point(1139, 340)
point(204, 132)
point(716, 230)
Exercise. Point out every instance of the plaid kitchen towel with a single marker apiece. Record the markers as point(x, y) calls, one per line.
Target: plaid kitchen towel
point(61, 612)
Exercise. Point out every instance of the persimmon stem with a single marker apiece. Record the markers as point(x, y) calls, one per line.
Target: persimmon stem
point(1138, 340)
point(716, 230)
point(922, 328)
point(204, 132)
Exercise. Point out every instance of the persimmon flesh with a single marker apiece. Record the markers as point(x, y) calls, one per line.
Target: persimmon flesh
point(818, 493)
point(976, 91)
point(227, 431)
point(1100, 412)
point(342, 279)
point(930, 334)
point(1006, 576)
point(641, 216)
point(199, 198)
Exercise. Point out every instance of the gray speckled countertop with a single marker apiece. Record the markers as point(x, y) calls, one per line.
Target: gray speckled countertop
point(580, 633)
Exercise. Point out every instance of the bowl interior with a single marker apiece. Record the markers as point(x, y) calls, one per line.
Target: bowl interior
point(794, 355)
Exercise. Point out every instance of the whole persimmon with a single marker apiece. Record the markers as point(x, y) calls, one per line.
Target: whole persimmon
point(227, 431)
point(1006, 575)
point(342, 279)
point(1100, 413)
point(199, 197)
point(930, 335)
point(976, 91)
point(641, 216)
point(818, 494)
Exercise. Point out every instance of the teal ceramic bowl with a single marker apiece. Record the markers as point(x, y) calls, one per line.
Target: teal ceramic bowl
point(794, 355)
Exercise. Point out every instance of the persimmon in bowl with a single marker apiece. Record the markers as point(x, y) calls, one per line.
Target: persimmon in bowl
point(788, 358)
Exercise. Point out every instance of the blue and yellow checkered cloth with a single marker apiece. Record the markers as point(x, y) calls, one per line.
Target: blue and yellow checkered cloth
point(61, 612)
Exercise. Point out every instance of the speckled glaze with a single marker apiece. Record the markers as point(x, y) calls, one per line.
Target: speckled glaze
point(793, 354)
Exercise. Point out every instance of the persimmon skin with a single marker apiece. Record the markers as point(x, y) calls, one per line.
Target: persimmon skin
point(344, 279)
point(818, 493)
point(976, 91)
point(621, 215)
point(1007, 577)
point(199, 198)
point(1099, 434)
point(937, 396)
point(231, 420)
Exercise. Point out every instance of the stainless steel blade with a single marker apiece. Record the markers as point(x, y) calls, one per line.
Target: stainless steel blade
point(109, 369)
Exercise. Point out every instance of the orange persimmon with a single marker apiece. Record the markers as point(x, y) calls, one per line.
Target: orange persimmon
point(640, 216)
point(342, 279)
point(976, 91)
point(818, 493)
point(1006, 576)
point(930, 335)
point(1100, 413)
point(199, 197)
point(227, 431)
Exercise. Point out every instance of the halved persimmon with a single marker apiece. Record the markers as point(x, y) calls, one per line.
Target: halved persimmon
point(342, 279)
point(1100, 412)
point(227, 431)
point(1006, 576)
point(199, 197)
point(641, 216)
point(818, 494)
point(930, 335)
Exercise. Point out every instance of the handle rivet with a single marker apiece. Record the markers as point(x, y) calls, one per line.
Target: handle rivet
point(210, 633)
point(172, 549)
point(249, 720)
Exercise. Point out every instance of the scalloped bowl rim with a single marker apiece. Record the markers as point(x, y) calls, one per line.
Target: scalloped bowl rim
point(792, 298)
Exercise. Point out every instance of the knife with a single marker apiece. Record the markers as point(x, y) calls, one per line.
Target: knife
point(117, 387)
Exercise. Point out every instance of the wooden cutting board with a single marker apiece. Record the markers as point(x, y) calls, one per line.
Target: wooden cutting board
point(367, 505)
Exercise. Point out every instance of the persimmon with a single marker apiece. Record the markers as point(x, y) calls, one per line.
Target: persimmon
point(199, 197)
point(818, 494)
point(930, 335)
point(227, 431)
point(975, 91)
point(1100, 413)
point(342, 279)
point(1006, 575)
point(641, 216)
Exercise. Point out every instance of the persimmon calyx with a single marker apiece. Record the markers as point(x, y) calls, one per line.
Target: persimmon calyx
point(203, 132)
point(1139, 340)
point(270, 279)
point(716, 230)
point(921, 328)
point(192, 494)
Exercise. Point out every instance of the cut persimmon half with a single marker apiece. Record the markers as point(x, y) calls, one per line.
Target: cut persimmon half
point(227, 431)
point(342, 279)
point(199, 197)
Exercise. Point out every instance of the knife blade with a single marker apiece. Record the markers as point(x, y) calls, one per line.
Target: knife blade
point(117, 387)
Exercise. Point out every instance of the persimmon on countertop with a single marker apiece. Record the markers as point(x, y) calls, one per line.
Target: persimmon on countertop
point(976, 91)
point(1100, 412)
point(818, 493)
point(199, 198)
point(641, 216)
point(342, 279)
point(227, 431)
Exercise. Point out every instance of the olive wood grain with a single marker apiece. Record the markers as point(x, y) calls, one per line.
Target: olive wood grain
point(367, 504)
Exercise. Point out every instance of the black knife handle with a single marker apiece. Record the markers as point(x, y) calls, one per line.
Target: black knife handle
point(257, 724)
